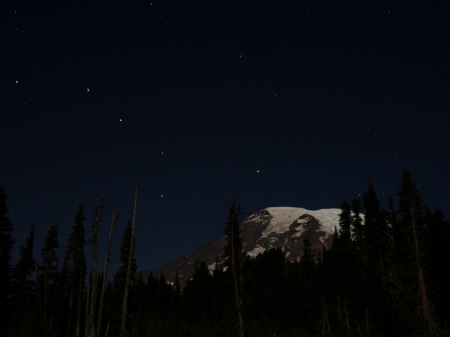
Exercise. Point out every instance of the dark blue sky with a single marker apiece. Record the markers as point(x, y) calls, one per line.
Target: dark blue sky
point(274, 103)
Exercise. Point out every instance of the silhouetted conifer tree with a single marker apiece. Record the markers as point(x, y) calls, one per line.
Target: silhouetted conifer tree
point(233, 258)
point(344, 241)
point(130, 272)
point(343, 274)
point(49, 285)
point(265, 285)
point(198, 294)
point(375, 225)
point(74, 273)
point(115, 301)
point(23, 299)
point(413, 226)
point(439, 264)
point(358, 234)
point(6, 244)
point(373, 262)
point(105, 274)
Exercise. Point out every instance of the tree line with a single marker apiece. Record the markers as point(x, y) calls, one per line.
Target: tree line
point(386, 274)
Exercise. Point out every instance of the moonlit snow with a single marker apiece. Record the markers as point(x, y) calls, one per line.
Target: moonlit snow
point(283, 217)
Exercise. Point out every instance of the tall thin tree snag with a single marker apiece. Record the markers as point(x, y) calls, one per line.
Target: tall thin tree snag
point(105, 273)
point(326, 330)
point(415, 230)
point(233, 254)
point(92, 288)
point(426, 310)
point(74, 269)
point(123, 325)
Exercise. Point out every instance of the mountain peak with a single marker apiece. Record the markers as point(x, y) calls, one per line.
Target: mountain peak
point(283, 228)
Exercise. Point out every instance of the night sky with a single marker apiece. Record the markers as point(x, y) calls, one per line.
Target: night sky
point(273, 103)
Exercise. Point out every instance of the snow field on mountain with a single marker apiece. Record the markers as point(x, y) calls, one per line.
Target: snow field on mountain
point(283, 217)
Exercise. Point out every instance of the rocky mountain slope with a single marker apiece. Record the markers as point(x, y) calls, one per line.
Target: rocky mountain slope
point(273, 227)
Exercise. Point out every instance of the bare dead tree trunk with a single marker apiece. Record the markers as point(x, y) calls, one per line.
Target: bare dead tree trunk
point(105, 273)
point(367, 323)
point(69, 319)
point(92, 294)
point(107, 330)
point(326, 330)
point(347, 322)
point(236, 284)
point(41, 295)
point(88, 300)
point(123, 325)
point(339, 308)
point(80, 300)
point(426, 310)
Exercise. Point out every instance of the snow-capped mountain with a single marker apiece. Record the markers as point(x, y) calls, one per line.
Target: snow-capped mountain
point(273, 227)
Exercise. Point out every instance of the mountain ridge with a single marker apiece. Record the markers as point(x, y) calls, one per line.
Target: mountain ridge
point(285, 228)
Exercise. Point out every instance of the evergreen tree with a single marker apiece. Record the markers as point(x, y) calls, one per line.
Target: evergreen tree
point(374, 260)
point(23, 295)
point(49, 287)
point(309, 286)
point(233, 258)
point(439, 264)
point(223, 301)
point(307, 262)
point(413, 252)
point(376, 232)
point(372, 221)
point(115, 301)
point(129, 275)
point(105, 274)
point(198, 294)
point(26, 264)
point(358, 234)
point(176, 298)
point(74, 273)
point(6, 244)
point(344, 274)
point(345, 221)
point(265, 284)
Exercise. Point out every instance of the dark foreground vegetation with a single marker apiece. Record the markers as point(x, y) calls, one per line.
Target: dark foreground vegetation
point(387, 277)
